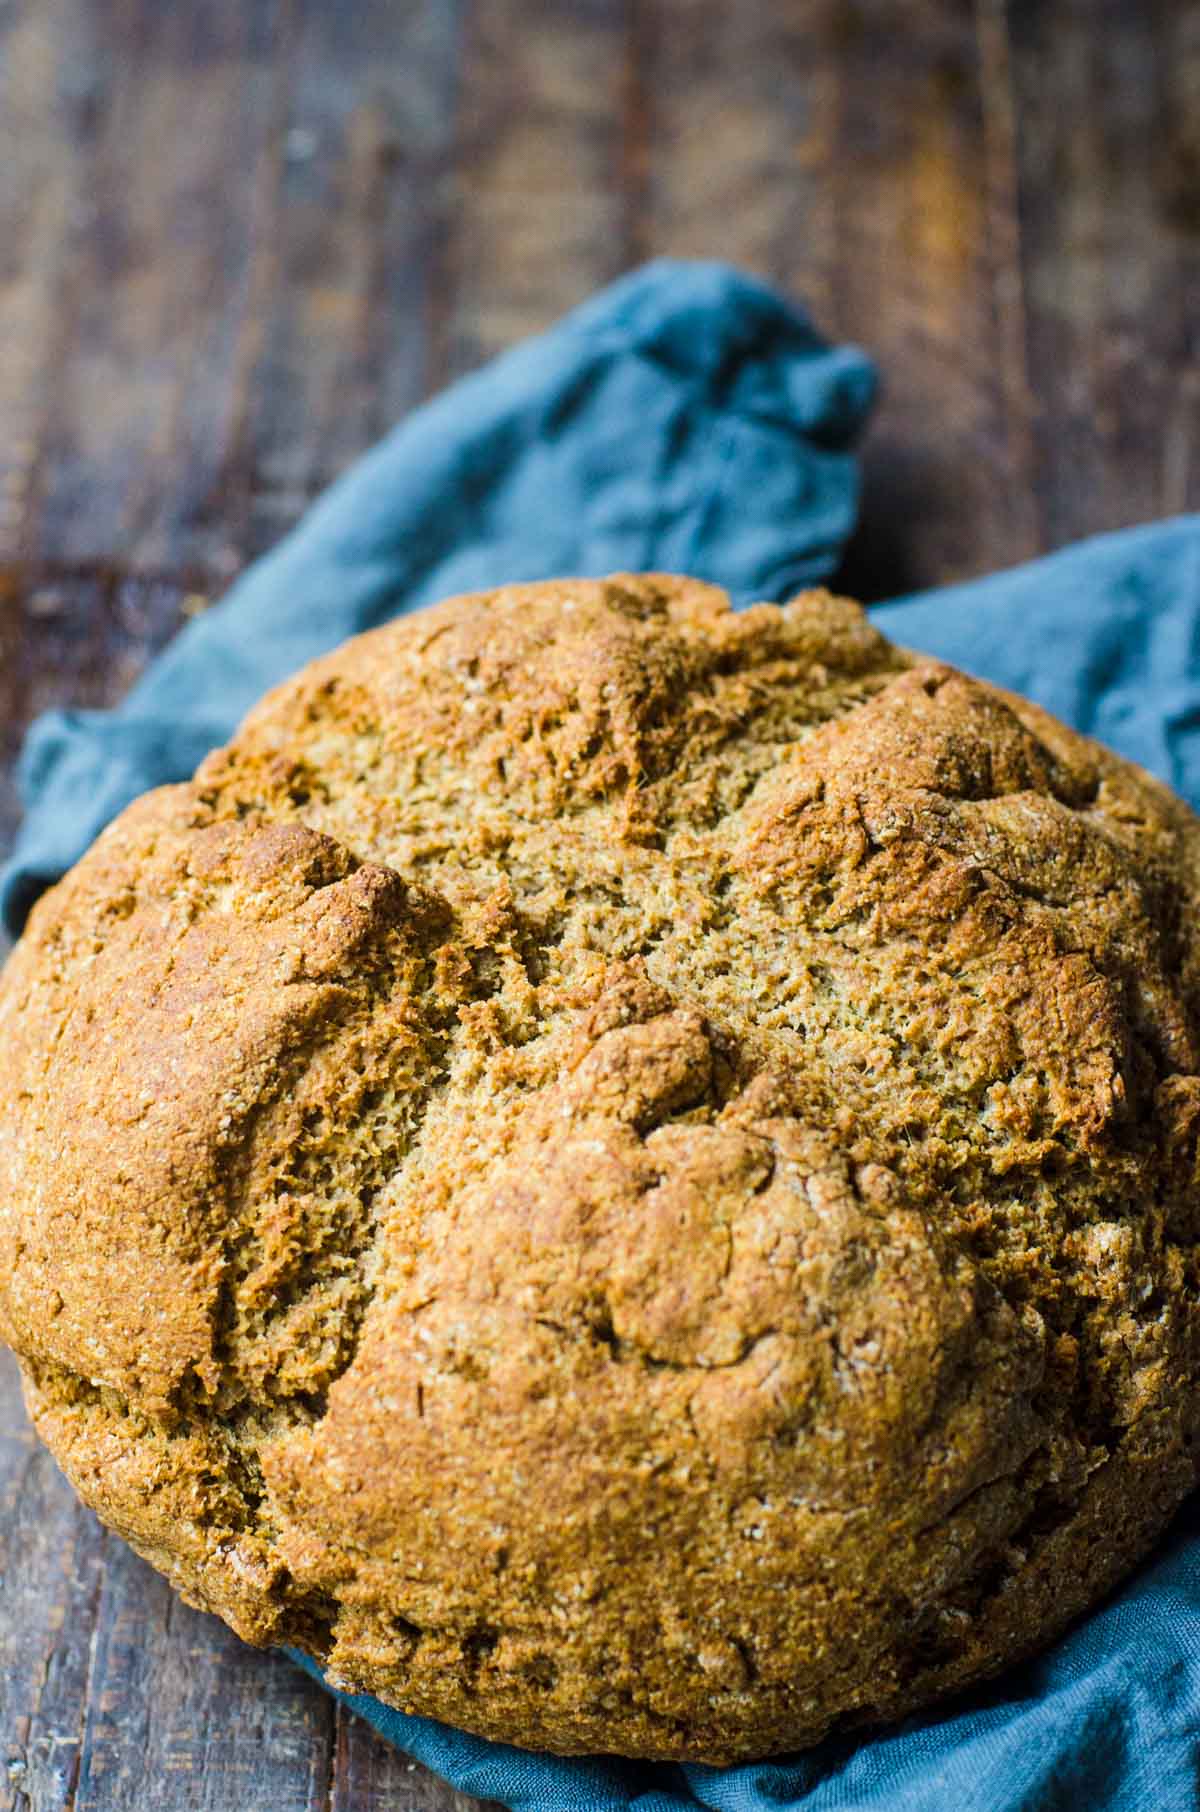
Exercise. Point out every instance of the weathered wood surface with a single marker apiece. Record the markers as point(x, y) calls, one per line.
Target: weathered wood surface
point(240, 237)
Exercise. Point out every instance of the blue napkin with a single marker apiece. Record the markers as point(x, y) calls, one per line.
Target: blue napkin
point(688, 419)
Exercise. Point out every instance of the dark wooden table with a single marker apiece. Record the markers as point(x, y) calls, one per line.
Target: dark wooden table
point(238, 238)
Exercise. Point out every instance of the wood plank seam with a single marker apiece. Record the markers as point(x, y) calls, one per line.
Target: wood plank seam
point(92, 1615)
point(1008, 287)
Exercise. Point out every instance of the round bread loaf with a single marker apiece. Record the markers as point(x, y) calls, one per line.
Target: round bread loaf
point(625, 1174)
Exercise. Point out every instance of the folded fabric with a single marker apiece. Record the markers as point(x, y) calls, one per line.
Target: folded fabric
point(687, 419)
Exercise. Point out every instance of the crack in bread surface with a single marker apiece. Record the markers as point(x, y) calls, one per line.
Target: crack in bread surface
point(622, 1172)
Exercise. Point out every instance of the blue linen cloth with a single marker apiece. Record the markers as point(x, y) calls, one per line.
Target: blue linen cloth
point(688, 419)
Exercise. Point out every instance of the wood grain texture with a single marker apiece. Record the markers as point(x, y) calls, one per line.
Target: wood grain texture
point(538, 216)
point(1110, 190)
point(238, 238)
point(934, 233)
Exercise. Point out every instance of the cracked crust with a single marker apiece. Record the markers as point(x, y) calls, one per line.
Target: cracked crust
point(624, 1174)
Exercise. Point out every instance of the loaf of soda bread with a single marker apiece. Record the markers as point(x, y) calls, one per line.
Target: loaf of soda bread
point(623, 1173)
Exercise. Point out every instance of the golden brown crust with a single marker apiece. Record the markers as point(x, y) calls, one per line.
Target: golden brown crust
point(625, 1174)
